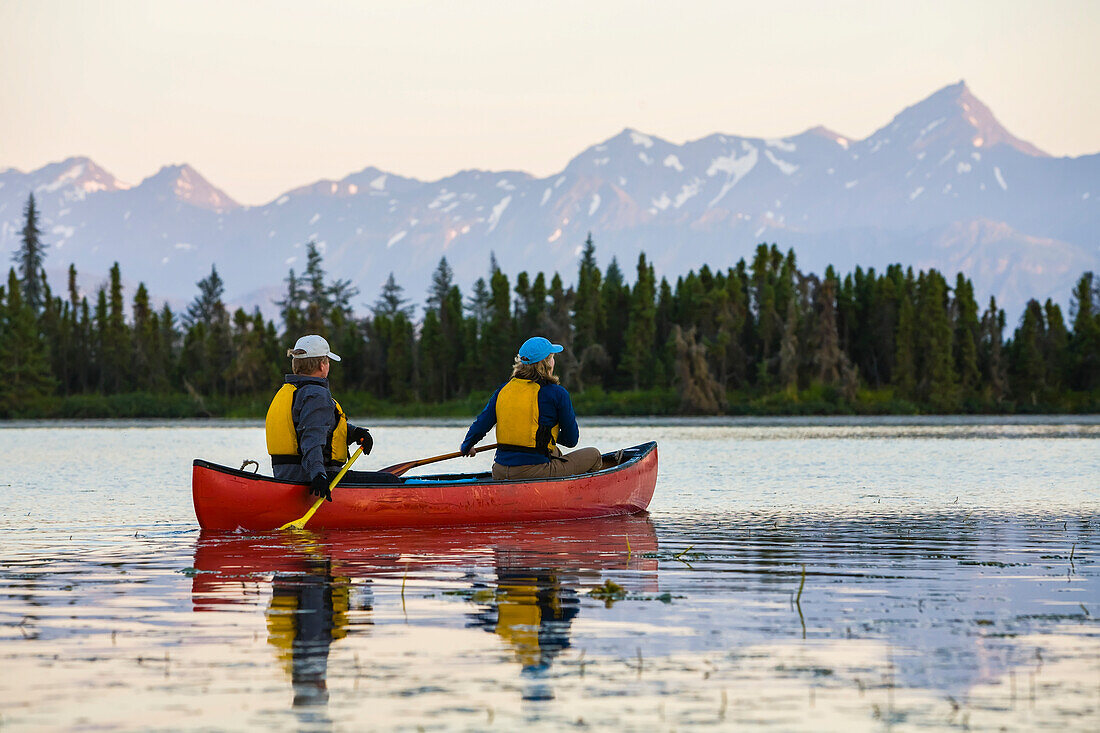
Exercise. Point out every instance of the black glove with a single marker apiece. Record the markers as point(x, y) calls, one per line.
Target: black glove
point(361, 436)
point(319, 487)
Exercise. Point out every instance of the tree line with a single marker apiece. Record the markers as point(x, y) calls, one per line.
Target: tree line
point(759, 336)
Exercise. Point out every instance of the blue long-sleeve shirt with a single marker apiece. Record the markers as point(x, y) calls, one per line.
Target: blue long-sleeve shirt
point(555, 408)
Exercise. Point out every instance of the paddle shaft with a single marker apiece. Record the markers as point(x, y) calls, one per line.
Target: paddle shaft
point(301, 522)
point(400, 468)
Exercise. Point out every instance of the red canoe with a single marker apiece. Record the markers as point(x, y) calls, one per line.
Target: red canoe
point(229, 499)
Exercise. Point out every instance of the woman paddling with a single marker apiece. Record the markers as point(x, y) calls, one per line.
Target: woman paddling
point(533, 415)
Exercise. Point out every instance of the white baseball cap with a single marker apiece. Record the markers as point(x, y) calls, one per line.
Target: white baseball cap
point(312, 346)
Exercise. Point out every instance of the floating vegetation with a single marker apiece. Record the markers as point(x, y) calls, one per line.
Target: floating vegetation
point(609, 592)
point(475, 595)
point(192, 572)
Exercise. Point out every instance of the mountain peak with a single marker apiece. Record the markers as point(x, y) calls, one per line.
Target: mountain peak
point(78, 176)
point(825, 132)
point(187, 184)
point(954, 115)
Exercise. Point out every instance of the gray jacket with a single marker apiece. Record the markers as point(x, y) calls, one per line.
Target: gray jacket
point(314, 418)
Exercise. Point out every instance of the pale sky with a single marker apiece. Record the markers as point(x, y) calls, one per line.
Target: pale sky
point(262, 97)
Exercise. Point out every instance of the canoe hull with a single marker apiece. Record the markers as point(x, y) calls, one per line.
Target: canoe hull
point(227, 499)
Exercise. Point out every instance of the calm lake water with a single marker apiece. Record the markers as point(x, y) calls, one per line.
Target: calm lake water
point(817, 575)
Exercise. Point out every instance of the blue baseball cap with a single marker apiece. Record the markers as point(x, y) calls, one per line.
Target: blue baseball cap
point(536, 348)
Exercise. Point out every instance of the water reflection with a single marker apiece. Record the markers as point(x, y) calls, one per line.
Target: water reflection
point(921, 619)
point(320, 585)
point(531, 609)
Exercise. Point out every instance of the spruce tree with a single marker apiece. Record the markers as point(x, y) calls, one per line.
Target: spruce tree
point(117, 352)
point(991, 352)
point(24, 368)
point(101, 340)
point(292, 308)
point(391, 302)
point(588, 316)
point(1055, 347)
point(500, 338)
point(169, 341)
point(966, 336)
point(1085, 339)
point(144, 352)
point(904, 373)
point(536, 305)
point(207, 306)
point(938, 383)
point(556, 327)
point(431, 350)
point(249, 371)
point(208, 347)
point(1028, 367)
point(29, 258)
point(788, 350)
point(827, 354)
point(615, 302)
point(400, 364)
point(641, 332)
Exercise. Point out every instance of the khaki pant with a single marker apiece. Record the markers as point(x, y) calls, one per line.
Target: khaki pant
point(584, 460)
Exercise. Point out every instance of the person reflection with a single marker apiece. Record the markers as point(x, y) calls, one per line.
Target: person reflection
point(307, 612)
point(532, 611)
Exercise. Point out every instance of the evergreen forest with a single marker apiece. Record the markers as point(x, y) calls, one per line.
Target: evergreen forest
point(761, 337)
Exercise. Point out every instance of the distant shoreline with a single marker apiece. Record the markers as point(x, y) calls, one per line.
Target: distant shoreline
point(735, 421)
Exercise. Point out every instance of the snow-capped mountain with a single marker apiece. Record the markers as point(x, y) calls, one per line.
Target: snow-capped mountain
point(942, 185)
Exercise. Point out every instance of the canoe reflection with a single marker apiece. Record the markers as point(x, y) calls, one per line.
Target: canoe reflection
point(525, 580)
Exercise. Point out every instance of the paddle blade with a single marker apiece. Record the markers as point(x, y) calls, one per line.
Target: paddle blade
point(300, 522)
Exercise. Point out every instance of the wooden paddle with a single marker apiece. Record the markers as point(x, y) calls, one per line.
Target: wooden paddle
point(300, 523)
point(400, 468)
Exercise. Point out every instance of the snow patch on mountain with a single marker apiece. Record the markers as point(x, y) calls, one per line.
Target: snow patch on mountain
point(688, 191)
point(734, 167)
point(594, 205)
point(498, 210)
point(784, 167)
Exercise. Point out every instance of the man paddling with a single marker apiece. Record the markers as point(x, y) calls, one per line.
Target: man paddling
point(307, 431)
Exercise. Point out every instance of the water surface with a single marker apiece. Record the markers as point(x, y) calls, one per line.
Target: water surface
point(794, 575)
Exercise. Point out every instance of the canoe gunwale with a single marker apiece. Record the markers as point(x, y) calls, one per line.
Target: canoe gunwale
point(458, 480)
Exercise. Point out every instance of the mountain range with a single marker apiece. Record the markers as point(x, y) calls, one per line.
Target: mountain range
point(942, 185)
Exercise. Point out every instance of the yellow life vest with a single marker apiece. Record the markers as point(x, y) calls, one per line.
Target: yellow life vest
point(518, 419)
point(282, 434)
